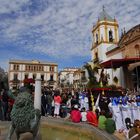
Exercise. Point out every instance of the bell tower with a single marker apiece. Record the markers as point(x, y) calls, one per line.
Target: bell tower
point(105, 35)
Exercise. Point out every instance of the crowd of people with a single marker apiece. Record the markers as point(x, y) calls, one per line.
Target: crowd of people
point(6, 104)
point(110, 114)
point(120, 113)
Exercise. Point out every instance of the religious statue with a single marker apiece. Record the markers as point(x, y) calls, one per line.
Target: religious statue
point(24, 117)
point(104, 78)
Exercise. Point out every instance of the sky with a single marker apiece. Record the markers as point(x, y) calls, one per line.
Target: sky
point(57, 30)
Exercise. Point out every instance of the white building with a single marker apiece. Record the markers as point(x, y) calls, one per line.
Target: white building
point(19, 70)
point(113, 54)
point(66, 76)
point(80, 78)
point(106, 36)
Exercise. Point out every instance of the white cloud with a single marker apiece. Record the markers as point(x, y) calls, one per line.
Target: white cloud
point(60, 28)
point(7, 6)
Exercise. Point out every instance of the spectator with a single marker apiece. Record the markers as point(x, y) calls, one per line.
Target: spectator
point(69, 104)
point(57, 102)
point(102, 120)
point(74, 101)
point(97, 113)
point(110, 124)
point(134, 133)
point(49, 100)
point(1, 109)
point(76, 114)
point(5, 103)
point(43, 104)
point(84, 114)
point(92, 117)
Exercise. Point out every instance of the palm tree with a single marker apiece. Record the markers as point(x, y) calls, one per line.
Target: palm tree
point(92, 79)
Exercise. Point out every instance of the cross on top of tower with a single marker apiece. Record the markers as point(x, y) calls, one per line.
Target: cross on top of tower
point(104, 15)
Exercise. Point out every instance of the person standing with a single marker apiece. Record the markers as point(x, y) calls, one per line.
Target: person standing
point(5, 103)
point(43, 104)
point(1, 109)
point(117, 115)
point(57, 102)
point(49, 100)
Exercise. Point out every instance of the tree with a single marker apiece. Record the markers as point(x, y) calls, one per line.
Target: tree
point(3, 79)
point(92, 79)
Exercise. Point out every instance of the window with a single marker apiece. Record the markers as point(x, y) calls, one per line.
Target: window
point(51, 77)
point(110, 36)
point(34, 76)
point(31, 68)
point(137, 51)
point(25, 67)
point(26, 76)
point(42, 77)
point(51, 68)
point(16, 67)
point(97, 38)
point(34, 68)
point(39, 68)
point(15, 76)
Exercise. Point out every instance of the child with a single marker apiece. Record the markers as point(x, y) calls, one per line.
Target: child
point(84, 114)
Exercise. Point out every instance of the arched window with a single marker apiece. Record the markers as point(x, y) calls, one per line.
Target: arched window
point(34, 76)
point(110, 36)
point(137, 50)
point(97, 38)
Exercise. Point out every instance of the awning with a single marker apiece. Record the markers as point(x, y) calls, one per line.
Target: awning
point(116, 63)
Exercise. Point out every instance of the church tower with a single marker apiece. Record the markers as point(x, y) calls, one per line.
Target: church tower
point(105, 36)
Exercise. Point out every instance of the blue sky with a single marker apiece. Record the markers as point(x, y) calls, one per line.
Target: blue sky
point(56, 30)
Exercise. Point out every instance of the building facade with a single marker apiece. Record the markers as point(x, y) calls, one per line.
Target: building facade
point(105, 36)
point(80, 78)
point(66, 77)
point(129, 62)
point(116, 56)
point(19, 70)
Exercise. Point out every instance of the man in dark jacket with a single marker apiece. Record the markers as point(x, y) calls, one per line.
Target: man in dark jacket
point(49, 100)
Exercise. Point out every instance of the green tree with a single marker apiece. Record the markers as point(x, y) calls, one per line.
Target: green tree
point(3, 79)
point(92, 79)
